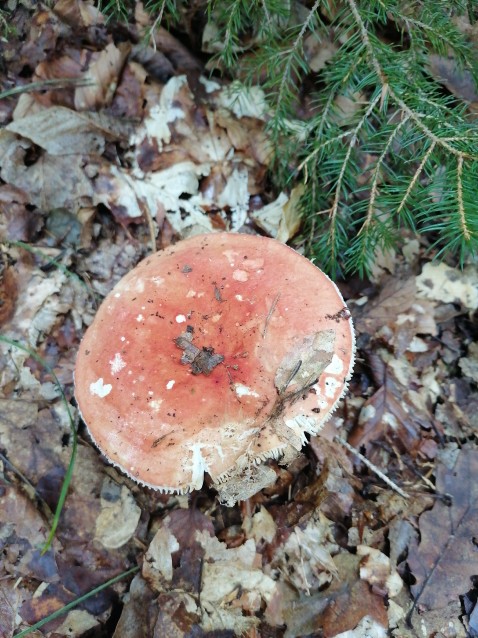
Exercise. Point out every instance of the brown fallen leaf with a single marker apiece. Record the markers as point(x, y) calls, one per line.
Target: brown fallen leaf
point(443, 561)
point(10, 602)
point(396, 296)
point(78, 13)
point(386, 414)
point(8, 292)
point(68, 66)
point(62, 131)
point(128, 100)
point(458, 81)
point(49, 181)
point(341, 607)
point(102, 76)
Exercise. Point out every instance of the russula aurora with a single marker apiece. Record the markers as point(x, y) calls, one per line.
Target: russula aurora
point(214, 355)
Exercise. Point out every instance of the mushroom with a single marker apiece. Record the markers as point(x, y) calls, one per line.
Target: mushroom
point(214, 355)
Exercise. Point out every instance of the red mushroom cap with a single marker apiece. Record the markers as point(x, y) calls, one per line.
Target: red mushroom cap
point(212, 356)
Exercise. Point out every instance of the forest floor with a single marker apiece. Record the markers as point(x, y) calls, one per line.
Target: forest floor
point(109, 150)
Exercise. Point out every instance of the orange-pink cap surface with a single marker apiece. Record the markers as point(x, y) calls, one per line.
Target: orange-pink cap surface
point(221, 349)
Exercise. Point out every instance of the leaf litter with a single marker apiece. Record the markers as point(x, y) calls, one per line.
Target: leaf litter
point(142, 144)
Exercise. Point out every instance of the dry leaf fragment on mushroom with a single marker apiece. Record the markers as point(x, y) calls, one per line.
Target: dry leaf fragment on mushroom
point(211, 356)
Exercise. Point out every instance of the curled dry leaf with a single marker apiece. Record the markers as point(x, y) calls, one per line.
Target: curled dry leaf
point(78, 12)
point(281, 218)
point(102, 77)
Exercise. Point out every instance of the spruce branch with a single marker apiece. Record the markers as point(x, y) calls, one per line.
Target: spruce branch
point(416, 117)
point(266, 13)
point(353, 142)
point(461, 208)
point(372, 133)
point(293, 51)
point(376, 174)
point(416, 176)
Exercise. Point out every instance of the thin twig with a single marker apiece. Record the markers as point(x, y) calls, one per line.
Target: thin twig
point(372, 467)
point(42, 85)
point(155, 24)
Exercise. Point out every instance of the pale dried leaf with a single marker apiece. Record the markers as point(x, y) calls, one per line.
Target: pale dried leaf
point(376, 569)
point(169, 109)
point(119, 515)
point(101, 77)
point(61, 131)
point(439, 282)
point(318, 51)
point(158, 563)
point(281, 218)
point(50, 181)
point(76, 623)
point(243, 101)
point(469, 364)
point(306, 558)
point(260, 527)
point(367, 628)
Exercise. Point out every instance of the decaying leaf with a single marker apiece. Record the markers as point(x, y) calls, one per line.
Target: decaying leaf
point(447, 536)
point(119, 515)
point(341, 607)
point(439, 282)
point(306, 558)
point(62, 131)
point(49, 181)
point(281, 218)
point(101, 78)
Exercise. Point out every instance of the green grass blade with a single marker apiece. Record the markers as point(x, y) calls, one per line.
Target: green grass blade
point(69, 472)
point(76, 602)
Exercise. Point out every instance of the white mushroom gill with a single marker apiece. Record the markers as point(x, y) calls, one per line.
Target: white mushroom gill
point(198, 467)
